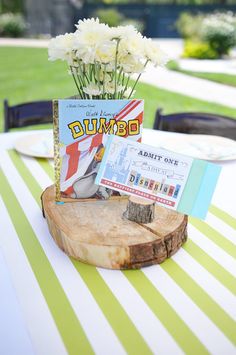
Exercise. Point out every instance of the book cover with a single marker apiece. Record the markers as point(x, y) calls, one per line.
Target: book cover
point(81, 129)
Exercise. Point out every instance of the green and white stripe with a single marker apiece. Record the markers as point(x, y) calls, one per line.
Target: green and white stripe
point(224, 216)
point(37, 316)
point(213, 250)
point(186, 305)
point(222, 227)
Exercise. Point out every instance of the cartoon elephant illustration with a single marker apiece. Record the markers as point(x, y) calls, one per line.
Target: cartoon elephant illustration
point(85, 186)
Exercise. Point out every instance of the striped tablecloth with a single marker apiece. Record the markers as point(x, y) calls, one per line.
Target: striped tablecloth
point(185, 305)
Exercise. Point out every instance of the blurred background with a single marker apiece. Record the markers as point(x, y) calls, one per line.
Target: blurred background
point(199, 37)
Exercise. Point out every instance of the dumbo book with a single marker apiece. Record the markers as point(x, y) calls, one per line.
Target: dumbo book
point(81, 129)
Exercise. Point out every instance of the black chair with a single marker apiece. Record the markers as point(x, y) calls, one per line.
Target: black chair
point(196, 123)
point(27, 114)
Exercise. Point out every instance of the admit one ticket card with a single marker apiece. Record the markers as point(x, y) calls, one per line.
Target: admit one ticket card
point(171, 180)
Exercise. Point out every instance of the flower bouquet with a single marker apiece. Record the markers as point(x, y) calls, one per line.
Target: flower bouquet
point(101, 61)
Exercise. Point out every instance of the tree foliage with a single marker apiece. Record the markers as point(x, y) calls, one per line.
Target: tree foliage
point(177, 2)
point(14, 6)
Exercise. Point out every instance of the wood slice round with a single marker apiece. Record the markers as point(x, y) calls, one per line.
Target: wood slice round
point(95, 232)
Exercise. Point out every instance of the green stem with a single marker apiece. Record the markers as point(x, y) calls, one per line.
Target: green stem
point(119, 75)
point(126, 85)
point(123, 78)
point(90, 72)
point(118, 82)
point(80, 80)
point(117, 46)
point(97, 74)
point(85, 74)
point(78, 88)
point(137, 80)
point(103, 84)
point(93, 72)
point(81, 73)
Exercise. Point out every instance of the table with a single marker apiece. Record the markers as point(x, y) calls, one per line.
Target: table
point(52, 304)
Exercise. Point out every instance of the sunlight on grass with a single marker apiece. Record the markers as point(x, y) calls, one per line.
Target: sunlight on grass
point(227, 79)
point(27, 75)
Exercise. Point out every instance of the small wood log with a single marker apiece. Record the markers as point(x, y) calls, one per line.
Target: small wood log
point(95, 232)
point(140, 210)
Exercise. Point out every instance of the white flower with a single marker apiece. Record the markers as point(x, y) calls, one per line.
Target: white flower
point(154, 53)
point(110, 88)
point(123, 32)
point(131, 65)
point(135, 45)
point(90, 23)
point(102, 55)
point(130, 41)
point(61, 47)
point(92, 90)
point(90, 32)
point(110, 67)
point(104, 76)
point(105, 52)
point(85, 53)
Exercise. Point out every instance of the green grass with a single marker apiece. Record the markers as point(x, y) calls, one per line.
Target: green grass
point(26, 74)
point(227, 79)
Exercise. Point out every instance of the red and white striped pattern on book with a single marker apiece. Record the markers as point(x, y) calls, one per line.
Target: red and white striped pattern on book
point(77, 156)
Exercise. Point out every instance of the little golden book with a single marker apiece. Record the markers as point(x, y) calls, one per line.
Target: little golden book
point(81, 129)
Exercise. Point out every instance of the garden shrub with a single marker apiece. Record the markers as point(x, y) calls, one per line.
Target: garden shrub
point(219, 30)
point(111, 17)
point(199, 50)
point(138, 24)
point(211, 34)
point(12, 25)
point(188, 25)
